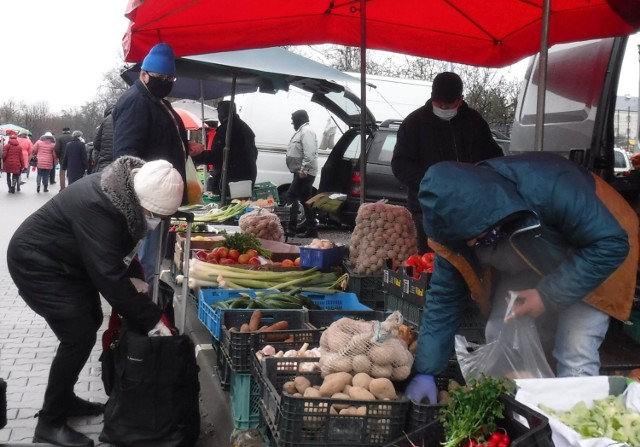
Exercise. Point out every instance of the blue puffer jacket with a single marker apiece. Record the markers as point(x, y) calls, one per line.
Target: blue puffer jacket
point(557, 222)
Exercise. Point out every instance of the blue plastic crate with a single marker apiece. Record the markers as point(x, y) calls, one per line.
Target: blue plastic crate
point(211, 317)
point(245, 401)
point(337, 301)
point(321, 258)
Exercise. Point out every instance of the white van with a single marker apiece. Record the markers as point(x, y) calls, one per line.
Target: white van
point(582, 86)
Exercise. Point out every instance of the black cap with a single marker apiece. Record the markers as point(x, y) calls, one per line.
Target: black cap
point(447, 87)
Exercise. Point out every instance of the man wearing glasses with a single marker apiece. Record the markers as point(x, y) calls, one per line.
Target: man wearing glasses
point(146, 126)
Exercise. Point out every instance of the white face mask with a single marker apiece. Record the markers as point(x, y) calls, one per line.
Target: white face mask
point(444, 114)
point(152, 222)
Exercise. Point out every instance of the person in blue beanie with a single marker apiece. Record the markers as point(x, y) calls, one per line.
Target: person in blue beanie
point(539, 225)
point(146, 126)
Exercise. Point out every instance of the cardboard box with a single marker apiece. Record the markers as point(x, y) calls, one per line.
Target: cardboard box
point(200, 241)
point(392, 279)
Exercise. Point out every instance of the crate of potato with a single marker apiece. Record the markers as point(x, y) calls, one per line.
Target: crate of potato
point(238, 326)
point(339, 409)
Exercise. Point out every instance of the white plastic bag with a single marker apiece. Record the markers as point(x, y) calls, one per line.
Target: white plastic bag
point(517, 353)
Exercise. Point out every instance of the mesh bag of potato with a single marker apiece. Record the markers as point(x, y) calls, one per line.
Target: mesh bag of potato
point(372, 347)
point(262, 223)
point(382, 231)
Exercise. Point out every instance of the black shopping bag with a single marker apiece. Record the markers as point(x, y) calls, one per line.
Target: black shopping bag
point(155, 396)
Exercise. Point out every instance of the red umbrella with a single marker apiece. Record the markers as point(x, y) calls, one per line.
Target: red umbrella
point(190, 120)
point(476, 32)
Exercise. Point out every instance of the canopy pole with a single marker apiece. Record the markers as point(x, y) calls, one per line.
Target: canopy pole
point(542, 76)
point(204, 131)
point(227, 143)
point(363, 99)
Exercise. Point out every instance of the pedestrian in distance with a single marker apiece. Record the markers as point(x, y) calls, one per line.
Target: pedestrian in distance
point(81, 256)
point(61, 145)
point(540, 225)
point(444, 129)
point(75, 162)
point(27, 148)
point(146, 126)
point(13, 162)
point(103, 142)
point(302, 161)
point(44, 149)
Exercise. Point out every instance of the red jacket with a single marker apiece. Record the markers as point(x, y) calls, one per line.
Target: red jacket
point(12, 160)
point(27, 147)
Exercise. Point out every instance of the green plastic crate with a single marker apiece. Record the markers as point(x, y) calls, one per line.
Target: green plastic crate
point(263, 190)
point(245, 401)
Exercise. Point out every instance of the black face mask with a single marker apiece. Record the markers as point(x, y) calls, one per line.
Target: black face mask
point(159, 87)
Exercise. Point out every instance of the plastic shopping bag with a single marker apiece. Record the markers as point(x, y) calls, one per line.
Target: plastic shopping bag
point(194, 187)
point(517, 353)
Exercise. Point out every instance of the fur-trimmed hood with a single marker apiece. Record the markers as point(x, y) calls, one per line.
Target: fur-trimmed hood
point(117, 184)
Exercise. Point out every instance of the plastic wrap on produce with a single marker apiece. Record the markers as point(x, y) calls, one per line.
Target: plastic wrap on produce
point(382, 231)
point(372, 347)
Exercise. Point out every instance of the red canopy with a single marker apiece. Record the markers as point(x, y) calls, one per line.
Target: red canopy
point(489, 33)
point(190, 120)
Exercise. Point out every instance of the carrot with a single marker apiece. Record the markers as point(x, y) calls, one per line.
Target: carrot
point(254, 322)
point(244, 327)
point(278, 326)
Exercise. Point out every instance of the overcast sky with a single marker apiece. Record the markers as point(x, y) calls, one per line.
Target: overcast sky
point(58, 51)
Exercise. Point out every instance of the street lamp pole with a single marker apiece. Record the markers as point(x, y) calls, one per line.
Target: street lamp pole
point(638, 104)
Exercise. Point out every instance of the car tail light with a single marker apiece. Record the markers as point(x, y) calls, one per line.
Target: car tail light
point(354, 191)
point(626, 174)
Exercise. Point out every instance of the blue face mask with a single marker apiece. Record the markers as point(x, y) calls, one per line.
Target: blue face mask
point(444, 114)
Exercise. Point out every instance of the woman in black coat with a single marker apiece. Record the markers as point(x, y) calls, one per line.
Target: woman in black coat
point(76, 247)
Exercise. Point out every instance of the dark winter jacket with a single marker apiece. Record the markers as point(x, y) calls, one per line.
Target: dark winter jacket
point(12, 160)
point(147, 127)
point(424, 139)
point(75, 160)
point(242, 151)
point(103, 142)
point(76, 246)
point(61, 143)
point(570, 227)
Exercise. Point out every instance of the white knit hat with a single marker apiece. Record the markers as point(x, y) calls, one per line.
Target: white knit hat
point(159, 187)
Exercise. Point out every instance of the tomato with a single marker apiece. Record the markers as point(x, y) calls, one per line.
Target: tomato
point(243, 259)
point(212, 261)
point(254, 261)
point(287, 263)
point(252, 253)
point(296, 262)
point(223, 252)
point(212, 256)
point(227, 261)
point(234, 254)
point(202, 255)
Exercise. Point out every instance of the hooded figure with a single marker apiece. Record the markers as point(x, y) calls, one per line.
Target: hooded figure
point(13, 163)
point(537, 224)
point(75, 162)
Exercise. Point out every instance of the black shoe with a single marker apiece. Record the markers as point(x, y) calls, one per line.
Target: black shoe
point(38, 189)
point(52, 183)
point(62, 435)
point(81, 407)
point(46, 190)
point(311, 232)
point(11, 190)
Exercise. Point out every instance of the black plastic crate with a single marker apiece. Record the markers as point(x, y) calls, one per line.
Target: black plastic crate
point(222, 367)
point(411, 314)
point(236, 345)
point(536, 432)
point(308, 421)
point(368, 288)
point(297, 337)
point(324, 318)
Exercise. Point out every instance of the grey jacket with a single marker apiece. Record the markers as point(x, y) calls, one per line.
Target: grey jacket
point(302, 152)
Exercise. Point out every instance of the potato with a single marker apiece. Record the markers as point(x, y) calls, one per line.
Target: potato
point(380, 355)
point(400, 373)
point(362, 380)
point(361, 364)
point(311, 392)
point(361, 411)
point(443, 397)
point(339, 363)
point(348, 411)
point(359, 393)
point(334, 383)
point(289, 387)
point(381, 371)
point(343, 396)
point(301, 383)
point(382, 388)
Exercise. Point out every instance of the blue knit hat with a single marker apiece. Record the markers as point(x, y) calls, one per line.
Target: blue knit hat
point(160, 60)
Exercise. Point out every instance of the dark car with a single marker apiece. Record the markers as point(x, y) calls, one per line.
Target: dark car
point(341, 172)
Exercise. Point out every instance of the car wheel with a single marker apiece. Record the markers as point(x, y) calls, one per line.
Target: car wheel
point(284, 200)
